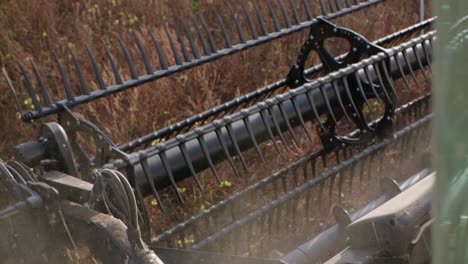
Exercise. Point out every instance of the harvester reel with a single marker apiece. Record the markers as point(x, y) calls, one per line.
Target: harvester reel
point(94, 196)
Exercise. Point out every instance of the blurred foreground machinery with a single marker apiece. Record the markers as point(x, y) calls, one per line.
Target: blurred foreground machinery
point(367, 111)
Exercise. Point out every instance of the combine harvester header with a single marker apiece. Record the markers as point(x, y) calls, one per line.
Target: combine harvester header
point(358, 107)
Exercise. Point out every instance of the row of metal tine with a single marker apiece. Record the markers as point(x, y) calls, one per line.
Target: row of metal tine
point(249, 99)
point(291, 213)
point(311, 166)
point(195, 30)
point(272, 122)
point(237, 211)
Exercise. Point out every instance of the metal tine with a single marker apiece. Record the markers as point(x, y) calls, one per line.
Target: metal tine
point(348, 3)
point(346, 152)
point(128, 58)
point(320, 195)
point(220, 137)
point(419, 134)
point(115, 70)
point(369, 167)
point(206, 49)
point(295, 13)
point(338, 5)
point(276, 192)
point(337, 156)
point(348, 93)
point(313, 167)
point(301, 119)
point(188, 161)
point(295, 175)
point(351, 176)
point(249, 20)
point(29, 87)
point(79, 73)
point(251, 134)
point(233, 139)
point(324, 159)
point(314, 110)
point(236, 21)
point(294, 211)
point(193, 46)
point(288, 124)
point(162, 59)
point(340, 101)
point(63, 75)
point(96, 68)
point(332, 8)
point(181, 42)
point(182, 238)
point(172, 44)
point(381, 82)
point(143, 212)
point(405, 57)
point(387, 76)
point(402, 148)
point(273, 16)
point(204, 148)
point(285, 14)
point(371, 83)
point(423, 70)
point(264, 230)
point(170, 243)
point(261, 20)
point(284, 184)
point(324, 9)
point(236, 244)
point(400, 68)
point(340, 185)
point(276, 125)
point(330, 190)
point(227, 37)
point(381, 157)
point(165, 162)
point(144, 166)
point(208, 33)
point(427, 54)
point(267, 124)
point(42, 85)
point(307, 205)
point(327, 102)
point(249, 240)
point(143, 52)
point(361, 170)
point(307, 10)
point(305, 173)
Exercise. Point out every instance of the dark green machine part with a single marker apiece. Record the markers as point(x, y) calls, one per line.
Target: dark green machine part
point(451, 124)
